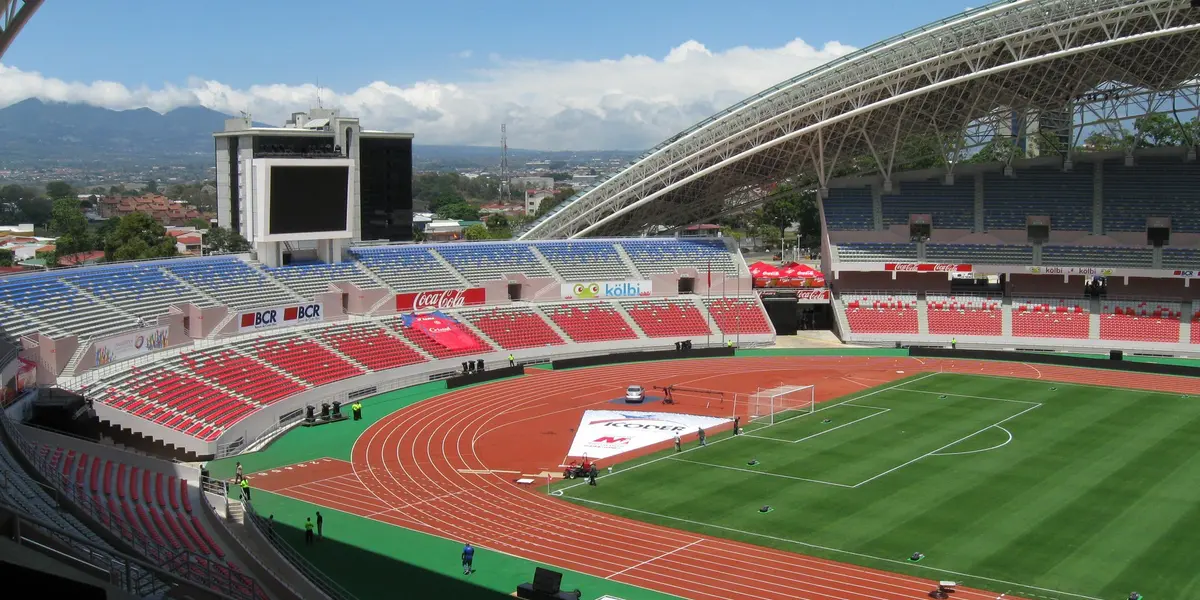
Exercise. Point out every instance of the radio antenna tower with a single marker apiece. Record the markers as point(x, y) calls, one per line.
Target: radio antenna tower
point(505, 190)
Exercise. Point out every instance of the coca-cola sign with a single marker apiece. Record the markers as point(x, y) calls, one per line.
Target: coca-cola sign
point(440, 299)
point(927, 268)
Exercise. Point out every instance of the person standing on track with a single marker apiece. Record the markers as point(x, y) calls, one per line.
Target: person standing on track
point(237, 477)
point(308, 534)
point(737, 430)
point(468, 557)
point(701, 435)
point(320, 526)
point(512, 362)
point(678, 443)
point(592, 472)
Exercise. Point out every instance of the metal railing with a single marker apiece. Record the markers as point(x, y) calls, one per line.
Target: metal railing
point(186, 565)
point(314, 575)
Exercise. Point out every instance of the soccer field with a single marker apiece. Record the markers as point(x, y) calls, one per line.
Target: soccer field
point(1024, 487)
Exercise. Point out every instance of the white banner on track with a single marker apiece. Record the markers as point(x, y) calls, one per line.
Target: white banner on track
point(607, 433)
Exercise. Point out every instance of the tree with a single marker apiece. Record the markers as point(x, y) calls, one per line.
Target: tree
point(1101, 141)
point(199, 223)
point(476, 232)
point(137, 236)
point(788, 206)
point(36, 210)
point(71, 227)
point(496, 222)
point(59, 189)
point(559, 197)
point(459, 212)
point(152, 186)
point(7, 257)
point(219, 240)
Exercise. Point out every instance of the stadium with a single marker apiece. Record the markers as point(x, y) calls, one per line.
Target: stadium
point(1010, 225)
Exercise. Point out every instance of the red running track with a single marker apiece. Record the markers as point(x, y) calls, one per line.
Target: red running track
point(408, 470)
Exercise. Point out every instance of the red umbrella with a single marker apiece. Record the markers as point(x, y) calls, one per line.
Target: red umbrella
point(757, 269)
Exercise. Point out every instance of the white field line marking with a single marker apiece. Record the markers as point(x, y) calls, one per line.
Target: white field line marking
point(559, 491)
point(767, 473)
point(419, 502)
point(1026, 402)
point(962, 439)
point(775, 439)
point(833, 550)
point(997, 447)
point(660, 556)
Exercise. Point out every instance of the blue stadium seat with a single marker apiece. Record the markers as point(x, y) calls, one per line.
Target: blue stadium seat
point(231, 281)
point(407, 268)
point(665, 255)
point(1065, 197)
point(585, 260)
point(313, 278)
point(849, 209)
point(952, 206)
point(875, 251)
point(480, 262)
point(1153, 187)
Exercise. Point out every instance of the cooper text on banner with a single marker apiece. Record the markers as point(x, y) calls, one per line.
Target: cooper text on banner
point(607, 433)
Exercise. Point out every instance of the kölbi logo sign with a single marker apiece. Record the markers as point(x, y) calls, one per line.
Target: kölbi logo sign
point(281, 316)
point(440, 299)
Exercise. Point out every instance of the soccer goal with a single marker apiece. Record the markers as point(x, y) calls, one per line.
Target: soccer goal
point(769, 406)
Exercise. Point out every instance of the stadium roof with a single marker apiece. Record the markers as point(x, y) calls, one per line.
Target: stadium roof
point(14, 14)
point(1012, 69)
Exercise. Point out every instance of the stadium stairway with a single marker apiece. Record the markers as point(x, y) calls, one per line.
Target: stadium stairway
point(550, 322)
point(546, 264)
point(922, 315)
point(181, 281)
point(629, 319)
point(462, 279)
point(629, 264)
point(1006, 317)
point(708, 318)
point(309, 335)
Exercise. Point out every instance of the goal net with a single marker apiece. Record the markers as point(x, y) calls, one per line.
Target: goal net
point(769, 406)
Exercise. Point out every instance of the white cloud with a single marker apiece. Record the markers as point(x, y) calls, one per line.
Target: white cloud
point(463, 54)
point(628, 103)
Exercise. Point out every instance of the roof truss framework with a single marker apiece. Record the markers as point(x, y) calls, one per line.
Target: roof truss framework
point(13, 16)
point(964, 81)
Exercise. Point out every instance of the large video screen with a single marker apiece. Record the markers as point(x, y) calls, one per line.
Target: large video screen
point(308, 199)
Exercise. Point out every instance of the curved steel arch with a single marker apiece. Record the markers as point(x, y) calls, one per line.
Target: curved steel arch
point(995, 71)
point(14, 14)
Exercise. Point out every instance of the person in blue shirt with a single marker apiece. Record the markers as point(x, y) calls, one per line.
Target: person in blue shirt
point(468, 555)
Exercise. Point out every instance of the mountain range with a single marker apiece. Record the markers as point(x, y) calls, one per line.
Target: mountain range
point(34, 133)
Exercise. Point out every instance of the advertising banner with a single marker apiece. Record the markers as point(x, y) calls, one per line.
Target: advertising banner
point(129, 345)
point(610, 289)
point(927, 268)
point(1071, 271)
point(442, 329)
point(805, 295)
point(440, 299)
point(281, 316)
point(607, 433)
point(1186, 273)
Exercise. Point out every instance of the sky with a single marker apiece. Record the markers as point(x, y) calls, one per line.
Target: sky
point(617, 75)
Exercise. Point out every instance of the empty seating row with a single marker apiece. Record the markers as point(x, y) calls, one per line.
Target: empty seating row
point(652, 256)
point(881, 313)
point(480, 262)
point(738, 316)
point(144, 290)
point(370, 345)
point(1141, 321)
point(951, 206)
point(407, 268)
point(585, 261)
point(301, 358)
point(242, 374)
point(875, 252)
point(231, 281)
point(311, 279)
point(663, 318)
point(590, 321)
point(1152, 187)
point(1050, 318)
point(964, 315)
point(49, 299)
point(981, 254)
point(1097, 256)
point(513, 328)
point(1064, 196)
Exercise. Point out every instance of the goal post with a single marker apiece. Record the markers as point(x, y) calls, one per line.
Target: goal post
point(780, 403)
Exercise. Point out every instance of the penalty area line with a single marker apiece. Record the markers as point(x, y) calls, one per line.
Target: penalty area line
point(831, 549)
point(734, 437)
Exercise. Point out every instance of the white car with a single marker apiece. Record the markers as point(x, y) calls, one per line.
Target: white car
point(635, 394)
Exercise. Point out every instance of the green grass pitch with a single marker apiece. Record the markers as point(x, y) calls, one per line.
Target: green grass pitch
point(1004, 484)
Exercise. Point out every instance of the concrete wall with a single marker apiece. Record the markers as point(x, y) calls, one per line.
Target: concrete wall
point(176, 337)
point(358, 300)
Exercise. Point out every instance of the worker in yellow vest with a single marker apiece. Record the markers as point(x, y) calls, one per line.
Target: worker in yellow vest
point(356, 408)
point(245, 483)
